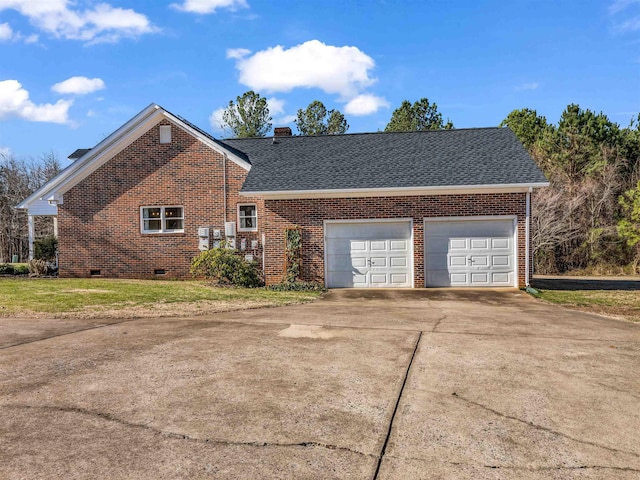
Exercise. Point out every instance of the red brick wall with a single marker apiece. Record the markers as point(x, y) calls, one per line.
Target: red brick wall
point(99, 222)
point(310, 214)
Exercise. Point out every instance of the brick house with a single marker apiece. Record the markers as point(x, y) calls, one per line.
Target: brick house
point(412, 209)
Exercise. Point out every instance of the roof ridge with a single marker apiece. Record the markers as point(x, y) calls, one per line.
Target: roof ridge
point(368, 133)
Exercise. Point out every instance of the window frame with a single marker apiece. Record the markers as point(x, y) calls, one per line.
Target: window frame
point(253, 229)
point(162, 218)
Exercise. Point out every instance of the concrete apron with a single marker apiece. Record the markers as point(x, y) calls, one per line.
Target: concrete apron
point(362, 384)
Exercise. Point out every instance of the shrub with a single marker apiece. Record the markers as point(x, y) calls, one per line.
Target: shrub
point(225, 267)
point(298, 286)
point(37, 268)
point(21, 269)
point(6, 269)
point(45, 248)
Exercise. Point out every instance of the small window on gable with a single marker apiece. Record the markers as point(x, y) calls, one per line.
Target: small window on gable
point(161, 219)
point(165, 133)
point(247, 218)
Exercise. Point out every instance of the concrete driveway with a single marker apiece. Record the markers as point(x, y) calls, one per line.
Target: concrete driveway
point(382, 384)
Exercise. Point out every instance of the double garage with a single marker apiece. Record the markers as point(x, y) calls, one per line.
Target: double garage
point(458, 252)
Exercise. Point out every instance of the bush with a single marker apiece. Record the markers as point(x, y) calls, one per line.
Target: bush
point(225, 267)
point(6, 269)
point(21, 269)
point(45, 248)
point(298, 286)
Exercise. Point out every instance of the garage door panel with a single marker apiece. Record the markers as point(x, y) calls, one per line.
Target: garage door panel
point(479, 243)
point(399, 262)
point(456, 279)
point(457, 260)
point(378, 262)
point(399, 279)
point(458, 244)
point(504, 278)
point(377, 252)
point(501, 261)
point(480, 278)
point(479, 261)
point(474, 252)
point(497, 243)
point(399, 246)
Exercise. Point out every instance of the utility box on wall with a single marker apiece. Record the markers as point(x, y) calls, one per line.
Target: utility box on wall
point(203, 238)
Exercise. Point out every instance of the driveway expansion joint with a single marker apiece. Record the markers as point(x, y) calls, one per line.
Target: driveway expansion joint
point(395, 409)
point(543, 428)
point(182, 436)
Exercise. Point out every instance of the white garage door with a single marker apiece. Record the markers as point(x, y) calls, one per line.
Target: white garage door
point(469, 253)
point(368, 254)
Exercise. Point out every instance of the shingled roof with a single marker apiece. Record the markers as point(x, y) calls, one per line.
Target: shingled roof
point(437, 158)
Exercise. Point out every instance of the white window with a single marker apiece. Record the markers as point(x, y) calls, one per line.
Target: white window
point(162, 219)
point(247, 218)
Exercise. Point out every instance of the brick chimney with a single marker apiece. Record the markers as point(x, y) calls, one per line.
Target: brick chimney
point(282, 132)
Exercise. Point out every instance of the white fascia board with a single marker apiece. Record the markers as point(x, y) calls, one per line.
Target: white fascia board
point(207, 141)
point(403, 191)
point(111, 146)
point(53, 188)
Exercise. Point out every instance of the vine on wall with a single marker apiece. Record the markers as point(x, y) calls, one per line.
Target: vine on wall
point(293, 253)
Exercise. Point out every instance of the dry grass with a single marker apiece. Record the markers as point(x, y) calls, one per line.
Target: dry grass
point(623, 304)
point(107, 298)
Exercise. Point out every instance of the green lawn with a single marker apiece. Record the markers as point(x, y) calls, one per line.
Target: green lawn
point(22, 296)
point(617, 303)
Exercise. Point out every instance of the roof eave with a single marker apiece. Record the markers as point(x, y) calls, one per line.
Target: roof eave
point(396, 191)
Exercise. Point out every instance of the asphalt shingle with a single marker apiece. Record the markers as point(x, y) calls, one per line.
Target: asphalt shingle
point(459, 157)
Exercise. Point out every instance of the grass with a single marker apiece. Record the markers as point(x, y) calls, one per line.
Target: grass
point(131, 298)
point(615, 303)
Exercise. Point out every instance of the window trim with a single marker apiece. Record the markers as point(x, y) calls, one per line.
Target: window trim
point(255, 206)
point(162, 219)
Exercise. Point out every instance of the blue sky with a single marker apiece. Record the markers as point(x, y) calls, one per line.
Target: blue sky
point(71, 72)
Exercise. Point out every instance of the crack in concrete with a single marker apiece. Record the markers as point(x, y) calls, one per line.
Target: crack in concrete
point(543, 428)
point(437, 324)
point(181, 436)
point(383, 451)
point(562, 467)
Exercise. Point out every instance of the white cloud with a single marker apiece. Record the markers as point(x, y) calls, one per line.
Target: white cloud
point(5, 152)
point(284, 120)
point(527, 86)
point(336, 70)
point(237, 52)
point(208, 6)
point(626, 15)
point(620, 5)
point(215, 120)
point(6, 33)
point(276, 105)
point(79, 86)
point(102, 23)
point(15, 102)
point(365, 104)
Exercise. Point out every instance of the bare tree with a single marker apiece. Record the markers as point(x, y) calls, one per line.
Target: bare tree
point(19, 178)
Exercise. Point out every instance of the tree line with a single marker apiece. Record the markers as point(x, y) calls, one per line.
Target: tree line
point(19, 178)
point(589, 218)
point(249, 116)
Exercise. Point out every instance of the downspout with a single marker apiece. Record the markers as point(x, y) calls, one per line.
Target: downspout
point(224, 188)
point(527, 229)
